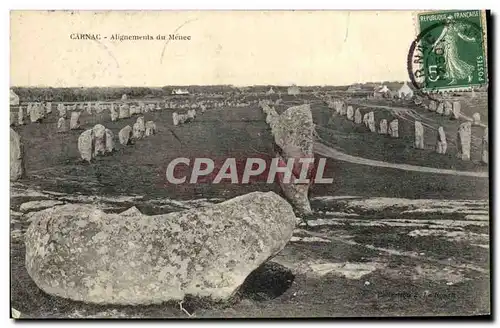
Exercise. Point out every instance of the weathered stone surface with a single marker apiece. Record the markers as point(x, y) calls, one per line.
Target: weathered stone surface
point(357, 117)
point(141, 124)
point(150, 128)
point(62, 110)
point(99, 139)
point(371, 122)
point(13, 119)
point(86, 144)
point(293, 134)
point(456, 110)
point(62, 125)
point(20, 116)
point(441, 143)
point(383, 126)
point(295, 127)
point(48, 108)
point(350, 113)
point(191, 113)
point(476, 119)
point(463, 141)
point(36, 113)
point(419, 135)
point(343, 108)
point(16, 156)
point(81, 253)
point(110, 141)
point(175, 118)
point(137, 132)
point(447, 108)
point(89, 108)
point(440, 108)
point(75, 121)
point(485, 147)
point(125, 135)
point(393, 129)
point(433, 106)
point(133, 211)
point(113, 113)
point(365, 119)
point(124, 111)
point(38, 205)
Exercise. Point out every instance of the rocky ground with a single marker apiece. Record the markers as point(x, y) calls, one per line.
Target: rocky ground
point(355, 257)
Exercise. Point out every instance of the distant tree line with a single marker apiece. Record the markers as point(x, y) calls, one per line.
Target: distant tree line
point(114, 93)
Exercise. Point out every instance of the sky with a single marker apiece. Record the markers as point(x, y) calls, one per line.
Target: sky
point(225, 47)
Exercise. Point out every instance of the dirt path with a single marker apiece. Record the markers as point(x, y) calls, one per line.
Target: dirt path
point(324, 150)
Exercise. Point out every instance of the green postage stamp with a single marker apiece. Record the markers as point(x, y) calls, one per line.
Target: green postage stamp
point(450, 50)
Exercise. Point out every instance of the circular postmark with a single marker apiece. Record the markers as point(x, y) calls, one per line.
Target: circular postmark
point(447, 55)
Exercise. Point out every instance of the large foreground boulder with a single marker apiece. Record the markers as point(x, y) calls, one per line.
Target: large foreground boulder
point(81, 253)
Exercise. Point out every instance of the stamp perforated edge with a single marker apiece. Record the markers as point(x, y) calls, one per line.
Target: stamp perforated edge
point(466, 88)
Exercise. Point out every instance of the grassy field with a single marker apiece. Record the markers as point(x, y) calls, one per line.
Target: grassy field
point(408, 272)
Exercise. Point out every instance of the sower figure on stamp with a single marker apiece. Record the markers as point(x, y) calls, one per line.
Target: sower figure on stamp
point(456, 68)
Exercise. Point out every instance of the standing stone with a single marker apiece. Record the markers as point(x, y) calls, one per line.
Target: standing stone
point(343, 108)
point(150, 128)
point(16, 156)
point(441, 144)
point(448, 108)
point(139, 128)
point(113, 113)
point(175, 118)
point(383, 126)
point(365, 119)
point(34, 114)
point(440, 108)
point(293, 136)
point(134, 110)
point(484, 147)
point(13, 118)
point(48, 107)
point(20, 116)
point(75, 121)
point(99, 108)
point(125, 135)
point(371, 122)
point(124, 111)
point(192, 113)
point(207, 251)
point(463, 141)
point(357, 117)
point(110, 141)
point(61, 108)
point(476, 119)
point(86, 145)
point(137, 133)
point(456, 110)
point(89, 108)
point(419, 135)
point(62, 126)
point(99, 139)
point(433, 106)
point(350, 113)
point(393, 129)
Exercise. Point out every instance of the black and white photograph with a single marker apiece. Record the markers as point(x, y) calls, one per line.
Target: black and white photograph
point(249, 164)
